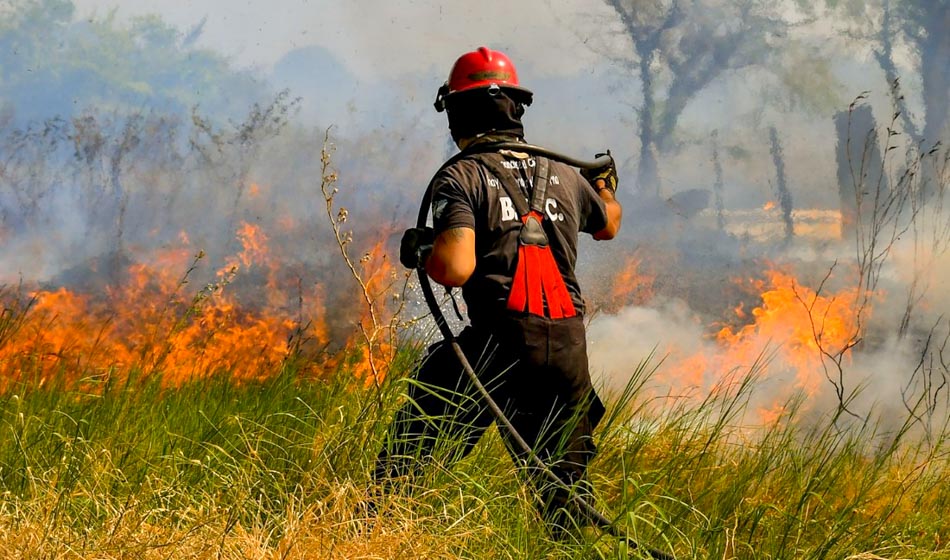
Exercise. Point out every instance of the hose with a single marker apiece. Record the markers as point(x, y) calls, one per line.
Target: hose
point(585, 507)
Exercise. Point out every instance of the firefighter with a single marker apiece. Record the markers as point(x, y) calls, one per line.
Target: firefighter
point(505, 230)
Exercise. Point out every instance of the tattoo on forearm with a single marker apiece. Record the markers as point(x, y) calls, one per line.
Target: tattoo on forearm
point(455, 234)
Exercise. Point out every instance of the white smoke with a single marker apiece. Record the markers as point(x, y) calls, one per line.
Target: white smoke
point(891, 375)
point(619, 343)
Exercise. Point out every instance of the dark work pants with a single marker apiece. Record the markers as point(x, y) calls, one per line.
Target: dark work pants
point(537, 372)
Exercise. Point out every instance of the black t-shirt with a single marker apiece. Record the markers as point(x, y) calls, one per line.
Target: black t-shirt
point(468, 194)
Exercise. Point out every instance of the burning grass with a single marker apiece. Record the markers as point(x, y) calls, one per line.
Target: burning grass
point(153, 322)
point(805, 333)
point(151, 420)
point(148, 418)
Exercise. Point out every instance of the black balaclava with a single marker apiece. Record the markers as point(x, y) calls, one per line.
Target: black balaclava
point(483, 110)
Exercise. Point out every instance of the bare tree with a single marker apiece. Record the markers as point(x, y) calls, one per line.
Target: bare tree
point(926, 25)
point(679, 48)
point(921, 26)
point(233, 150)
point(781, 182)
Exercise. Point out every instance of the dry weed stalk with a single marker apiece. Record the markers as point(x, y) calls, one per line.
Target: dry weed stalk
point(381, 322)
point(912, 203)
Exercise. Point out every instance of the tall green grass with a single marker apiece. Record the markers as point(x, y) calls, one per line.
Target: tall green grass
point(118, 466)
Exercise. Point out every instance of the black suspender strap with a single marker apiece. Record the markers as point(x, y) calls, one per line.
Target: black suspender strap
point(537, 286)
point(539, 189)
point(508, 180)
point(538, 185)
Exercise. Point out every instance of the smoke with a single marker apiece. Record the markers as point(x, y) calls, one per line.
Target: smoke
point(667, 331)
point(806, 329)
point(141, 161)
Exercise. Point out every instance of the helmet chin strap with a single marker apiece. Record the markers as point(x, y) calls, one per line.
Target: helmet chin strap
point(522, 96)
point(440, 97)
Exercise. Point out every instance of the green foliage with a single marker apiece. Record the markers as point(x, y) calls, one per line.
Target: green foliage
point(53, 64)
point(853, 8)
point(807, 80)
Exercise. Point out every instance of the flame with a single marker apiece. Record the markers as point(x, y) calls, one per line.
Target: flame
point(152, 323)
point(770, 415)
point(738, 310)
point(632, 286)
point(379, 277)
point(319, 329)
point(802, 326)
point(287, 223)
point(769, 205)
point(254, 249)
point(804, 322)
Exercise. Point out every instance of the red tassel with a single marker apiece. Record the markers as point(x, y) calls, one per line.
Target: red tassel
point(558, 297)
point(533, 271)
point(551, 277)
point(537, 280)
point(519, 284)
point(554, 309)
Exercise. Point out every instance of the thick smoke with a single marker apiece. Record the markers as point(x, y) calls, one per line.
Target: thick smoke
point(136, 163)
point(895, 367)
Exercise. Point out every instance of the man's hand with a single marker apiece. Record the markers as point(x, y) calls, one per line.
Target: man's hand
point(607, 174)
point(415, 246)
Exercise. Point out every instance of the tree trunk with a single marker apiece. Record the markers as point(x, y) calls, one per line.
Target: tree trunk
point(859, 163)
point(934, 64)
point(648, 177)
point(885, 59)
point(784, 194)
point(718, 186)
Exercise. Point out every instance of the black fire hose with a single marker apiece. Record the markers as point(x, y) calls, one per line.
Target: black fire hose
point(586, 508)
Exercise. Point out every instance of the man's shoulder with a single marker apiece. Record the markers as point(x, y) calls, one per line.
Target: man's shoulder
point(463, 163)
point(466, 172)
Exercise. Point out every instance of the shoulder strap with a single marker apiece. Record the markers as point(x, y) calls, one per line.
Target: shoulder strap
point(539, 190)
point(508, 179)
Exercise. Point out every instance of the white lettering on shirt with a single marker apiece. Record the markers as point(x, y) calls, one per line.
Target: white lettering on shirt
point(507, 209)
point(520, 164)
point(508, 212)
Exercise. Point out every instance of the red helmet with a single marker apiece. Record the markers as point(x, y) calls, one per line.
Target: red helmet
point(482, 68)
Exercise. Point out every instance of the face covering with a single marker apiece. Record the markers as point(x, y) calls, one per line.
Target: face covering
point(484, 110)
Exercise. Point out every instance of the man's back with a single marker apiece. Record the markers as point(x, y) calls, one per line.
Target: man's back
point(476, 193)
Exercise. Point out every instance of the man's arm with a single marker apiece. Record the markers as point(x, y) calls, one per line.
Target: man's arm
point(452, 260)
point(614, 212)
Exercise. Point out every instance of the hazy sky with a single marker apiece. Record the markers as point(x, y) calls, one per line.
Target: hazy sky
point(380, 38)
point(405, 48)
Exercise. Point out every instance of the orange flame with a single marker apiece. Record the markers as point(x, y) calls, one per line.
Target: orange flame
point(632, 286)
point(802, 326)
point(151, 324)
point(804, 322)
point(379, 277)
